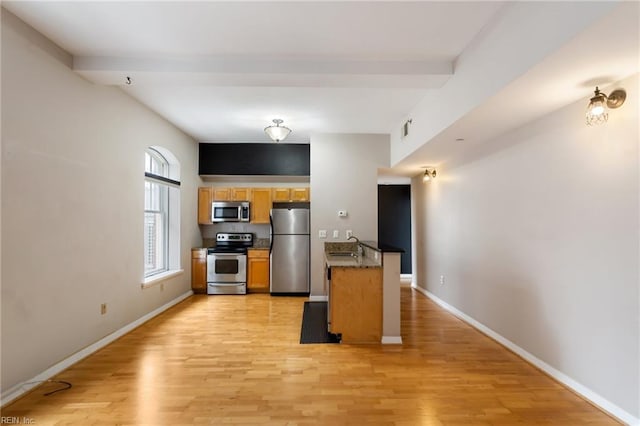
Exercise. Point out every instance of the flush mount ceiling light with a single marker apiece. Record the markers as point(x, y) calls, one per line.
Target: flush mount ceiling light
point(277, 133)
point(429, 174)
point(597, 109)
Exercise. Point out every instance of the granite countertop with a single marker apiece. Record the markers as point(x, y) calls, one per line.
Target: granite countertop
point(261, 243)
point(352, 246)
point(346, 261)
point(351, 262)
point(384, 248)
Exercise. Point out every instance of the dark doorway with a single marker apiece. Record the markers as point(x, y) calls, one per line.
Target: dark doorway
point(394, 220)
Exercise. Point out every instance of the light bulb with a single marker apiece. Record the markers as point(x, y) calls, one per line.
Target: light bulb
point(597, 109)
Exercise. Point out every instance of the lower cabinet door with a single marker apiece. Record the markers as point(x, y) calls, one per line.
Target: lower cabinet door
point(355, 302)
point(199, 270)
point(258, 271)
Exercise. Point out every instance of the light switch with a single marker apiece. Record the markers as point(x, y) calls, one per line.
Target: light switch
point(322, 233)
point(336, 233)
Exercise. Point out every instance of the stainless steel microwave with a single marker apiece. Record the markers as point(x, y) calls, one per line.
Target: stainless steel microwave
point(230, 211)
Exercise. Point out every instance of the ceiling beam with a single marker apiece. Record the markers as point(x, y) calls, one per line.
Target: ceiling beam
point(257, 71)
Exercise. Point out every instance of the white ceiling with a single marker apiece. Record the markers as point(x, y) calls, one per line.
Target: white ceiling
point(221, 71)
point(406, 31)
point(604, 53)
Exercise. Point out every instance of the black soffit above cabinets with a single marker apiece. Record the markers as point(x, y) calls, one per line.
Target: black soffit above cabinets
point(254, 159)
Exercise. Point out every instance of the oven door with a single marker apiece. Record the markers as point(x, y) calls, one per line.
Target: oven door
point(226, 268)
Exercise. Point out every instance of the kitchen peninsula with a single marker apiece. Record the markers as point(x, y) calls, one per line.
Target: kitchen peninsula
point(362, 282)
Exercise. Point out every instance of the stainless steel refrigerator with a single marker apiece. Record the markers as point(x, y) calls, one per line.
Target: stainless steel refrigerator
point(290, 247)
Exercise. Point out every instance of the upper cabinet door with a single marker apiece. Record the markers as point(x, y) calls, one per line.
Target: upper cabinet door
point(204, 205)
point(290, 194)
point(299, 194)
point(240, 194)
point(280, 194)
point(221, 194)
point(260, 205)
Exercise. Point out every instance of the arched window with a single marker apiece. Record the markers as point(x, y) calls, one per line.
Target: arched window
point(161, 212)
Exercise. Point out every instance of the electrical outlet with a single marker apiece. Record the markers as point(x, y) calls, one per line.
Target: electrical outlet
point(322, 233)
point(441, 279)
point(349, 233)
point(103, 308)
point(336, 233)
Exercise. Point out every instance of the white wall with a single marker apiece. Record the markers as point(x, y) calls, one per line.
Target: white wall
point(502, 52)
point(540, 243)
point(344, 176)
point(72, 206)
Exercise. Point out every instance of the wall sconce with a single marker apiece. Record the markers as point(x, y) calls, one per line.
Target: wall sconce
point(597, 109)
point(429, 174)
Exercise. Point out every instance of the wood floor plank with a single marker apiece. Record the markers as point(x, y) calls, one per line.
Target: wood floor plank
point(236, 360)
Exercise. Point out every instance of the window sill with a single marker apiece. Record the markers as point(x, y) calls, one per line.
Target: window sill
point(158, 278)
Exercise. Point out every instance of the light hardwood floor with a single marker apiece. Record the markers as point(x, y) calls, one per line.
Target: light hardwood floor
point(236, 359)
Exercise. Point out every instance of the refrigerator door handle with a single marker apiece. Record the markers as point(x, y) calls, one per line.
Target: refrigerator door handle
point(270, 233)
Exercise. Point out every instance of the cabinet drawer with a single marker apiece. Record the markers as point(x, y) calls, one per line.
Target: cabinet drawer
point(199, 253)
point(257, 253)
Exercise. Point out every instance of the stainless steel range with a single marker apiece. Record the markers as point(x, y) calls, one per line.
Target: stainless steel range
point(227, 263)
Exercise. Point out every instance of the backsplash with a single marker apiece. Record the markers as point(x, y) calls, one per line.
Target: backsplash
point(258, 231)
point(262, 243)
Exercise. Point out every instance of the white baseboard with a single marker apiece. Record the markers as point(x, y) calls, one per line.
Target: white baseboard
point(406, 279)
point(22, 388)
point(318, 299)
point(587, 393)
point(391, 340)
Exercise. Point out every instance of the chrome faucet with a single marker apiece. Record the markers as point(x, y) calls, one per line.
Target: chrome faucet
point(360, 249)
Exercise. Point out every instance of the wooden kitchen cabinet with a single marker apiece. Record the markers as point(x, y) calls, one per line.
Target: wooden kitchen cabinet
point(261, 200)
point(199, 270)
point(279, 194)
point(230, 194)
point(204, 205)
point(221, 194)
point(299, 194)
point(258, 271)
point(289, 194)
point(356, 304)
point(240, 194)
point(260, 205)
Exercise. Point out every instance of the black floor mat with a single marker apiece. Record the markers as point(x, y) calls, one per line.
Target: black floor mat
point(314, 324)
